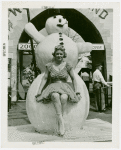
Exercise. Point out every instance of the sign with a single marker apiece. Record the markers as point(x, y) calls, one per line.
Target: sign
point(26, 46)
point(98, 47)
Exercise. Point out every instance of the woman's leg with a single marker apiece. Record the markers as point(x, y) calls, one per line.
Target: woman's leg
point(55, 97)
point(64, 98)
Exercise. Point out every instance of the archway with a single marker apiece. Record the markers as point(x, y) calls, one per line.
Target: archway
point(79, 23)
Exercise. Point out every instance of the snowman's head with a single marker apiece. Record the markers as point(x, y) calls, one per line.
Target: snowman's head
point(56, 24)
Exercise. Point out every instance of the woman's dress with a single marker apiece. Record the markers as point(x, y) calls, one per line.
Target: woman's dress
point(58, 84)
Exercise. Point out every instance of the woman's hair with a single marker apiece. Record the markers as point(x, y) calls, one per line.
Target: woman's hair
point(60, 47)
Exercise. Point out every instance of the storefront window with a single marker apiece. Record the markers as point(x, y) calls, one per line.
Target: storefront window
point(28, 70)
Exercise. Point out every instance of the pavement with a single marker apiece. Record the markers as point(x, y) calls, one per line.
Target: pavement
point(97, 128)
point(94, 130)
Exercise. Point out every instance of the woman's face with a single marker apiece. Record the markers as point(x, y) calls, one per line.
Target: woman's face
point(59, 55)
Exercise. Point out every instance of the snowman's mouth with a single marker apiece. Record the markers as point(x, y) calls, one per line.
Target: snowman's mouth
point(60, 25)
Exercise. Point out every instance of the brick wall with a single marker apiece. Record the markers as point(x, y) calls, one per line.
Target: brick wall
point(103, 21)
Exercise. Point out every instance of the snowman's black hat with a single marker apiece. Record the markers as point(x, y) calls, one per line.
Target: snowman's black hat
point(54, 12)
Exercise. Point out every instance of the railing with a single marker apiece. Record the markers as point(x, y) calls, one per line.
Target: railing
point(10, 96)
point(107, 96)
point(9, 99)
point(105, 91)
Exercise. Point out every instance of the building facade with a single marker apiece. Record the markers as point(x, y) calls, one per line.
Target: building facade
point(90, 25)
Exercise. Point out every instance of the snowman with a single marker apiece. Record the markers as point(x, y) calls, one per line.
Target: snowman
point(43, 116)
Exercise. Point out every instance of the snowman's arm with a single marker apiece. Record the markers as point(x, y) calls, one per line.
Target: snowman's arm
point(33, 33)
point(84, 47)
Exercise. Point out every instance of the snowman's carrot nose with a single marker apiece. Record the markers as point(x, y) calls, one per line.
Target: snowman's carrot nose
point(59, 20)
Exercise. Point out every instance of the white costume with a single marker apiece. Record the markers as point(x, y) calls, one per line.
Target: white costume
point(97, 76)
point(98, 81)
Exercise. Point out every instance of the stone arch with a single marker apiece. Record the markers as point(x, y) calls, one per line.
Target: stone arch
point(79, 21)
point(17, 34)
point(104, 26)
point(17, 25)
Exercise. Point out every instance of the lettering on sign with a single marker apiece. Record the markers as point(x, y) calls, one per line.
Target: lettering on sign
point(26, 46)
point(98, 47)
point(101, 13)
point(13, 10)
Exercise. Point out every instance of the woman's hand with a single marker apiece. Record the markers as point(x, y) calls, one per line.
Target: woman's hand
point(78, 95)
point(44, 80)
point(38, 95)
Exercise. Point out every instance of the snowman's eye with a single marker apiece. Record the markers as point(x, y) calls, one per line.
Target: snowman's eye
point(54, 16)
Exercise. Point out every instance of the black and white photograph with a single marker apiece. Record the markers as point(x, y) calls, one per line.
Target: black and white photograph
point(60, 74)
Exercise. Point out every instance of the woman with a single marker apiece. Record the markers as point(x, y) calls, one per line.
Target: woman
point(58, 91)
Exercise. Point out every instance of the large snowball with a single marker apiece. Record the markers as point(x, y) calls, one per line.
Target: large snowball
point(43, 116)
point(45, 49)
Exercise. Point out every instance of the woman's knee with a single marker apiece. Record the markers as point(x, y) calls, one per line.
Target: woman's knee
point(64, 98)
point(55, 96)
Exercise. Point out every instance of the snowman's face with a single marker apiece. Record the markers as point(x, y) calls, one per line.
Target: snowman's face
point(56, 24)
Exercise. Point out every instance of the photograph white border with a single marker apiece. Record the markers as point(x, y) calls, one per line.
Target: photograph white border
point(116, 74)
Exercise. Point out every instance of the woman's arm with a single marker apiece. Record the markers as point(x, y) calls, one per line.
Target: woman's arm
point(44, 80)
point(71, 73)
